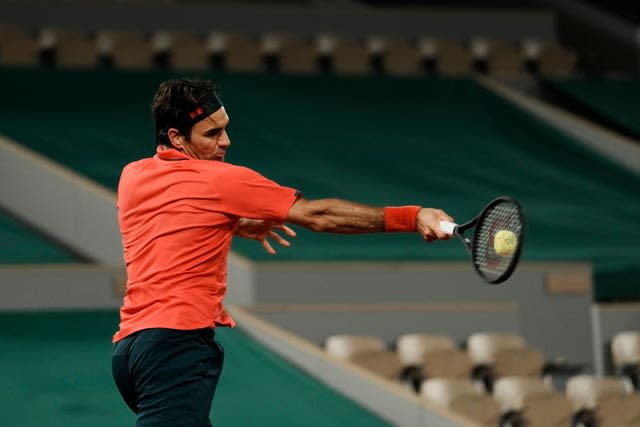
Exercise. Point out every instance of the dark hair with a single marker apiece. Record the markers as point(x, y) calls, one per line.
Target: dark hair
point(172, 103)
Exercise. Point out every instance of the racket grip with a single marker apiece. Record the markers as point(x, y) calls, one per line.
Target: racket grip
point(447, 226)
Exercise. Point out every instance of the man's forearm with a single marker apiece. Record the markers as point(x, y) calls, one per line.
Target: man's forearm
point(337, 216)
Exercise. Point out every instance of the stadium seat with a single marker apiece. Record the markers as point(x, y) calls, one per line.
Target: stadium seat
point(436, 355)
point(74, 48)
point(538, 403)
point(531, 49)
point(161, 42)
point(428, 48)
point(104, 49)
point(585, 390)
point(216, 45)
point(479, 48)
point(401, 57)
point(18, 47)
point(496, 355)
point(270, 46)
point(376, 47)
point(518, 361)
point(349, 56)
point(556, 60)
point(608, 396)
point(385, 364)
point(625, 353)
point(129, 49)
point(294, 54)
point(453, 59)
point(242, 53)
point(47, 41)
point(185, 51)
point(506, 60)
point(324, 45)
point(366, 351)
point(411, 348)
point(9, 32)
point(344, 346)
point(464, 397)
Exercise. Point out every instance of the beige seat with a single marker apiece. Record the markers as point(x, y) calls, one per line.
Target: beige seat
point(463, 397)
point(453, 59)
point(586, 390)
point(625, 348)
point(556, 60)
point(479, 47)
point(345, 346)
point(161, 42)
point(609, 397)
point(129, 49)
point(505, 354)
point(531, 48)
point(9, 32)
point(508, 353)
point(186, 51)
point(436, 355)
point(349, 56)
point(537, 401)
point(324, 45)
point(428, 48)
point(295, 54)
point(74, 48)
point(506, 60)
point(518, 361)
point(483, 346)
point(47, 42)
point(384, 363)
point(242, 52)
point(376, 48)
point(402, 57)
point(412, 347)
point(216, 46)
point(18, 47)
point(366, 351)
point(625, 353)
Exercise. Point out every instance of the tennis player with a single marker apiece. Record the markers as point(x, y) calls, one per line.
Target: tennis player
point(178, 212)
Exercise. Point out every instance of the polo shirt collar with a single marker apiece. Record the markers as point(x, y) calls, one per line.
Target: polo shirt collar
point(165, 153)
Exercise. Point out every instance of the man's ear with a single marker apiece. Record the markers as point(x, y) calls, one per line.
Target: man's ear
point(175, 138)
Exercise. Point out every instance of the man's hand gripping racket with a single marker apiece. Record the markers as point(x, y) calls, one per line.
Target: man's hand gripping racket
point(497, 240)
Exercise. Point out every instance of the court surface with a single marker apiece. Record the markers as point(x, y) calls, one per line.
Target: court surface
point(56, 371)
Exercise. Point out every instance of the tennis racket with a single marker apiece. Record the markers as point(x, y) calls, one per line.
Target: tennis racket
point(493, 260)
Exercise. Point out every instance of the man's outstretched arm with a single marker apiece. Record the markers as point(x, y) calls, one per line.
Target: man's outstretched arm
point(343, 216)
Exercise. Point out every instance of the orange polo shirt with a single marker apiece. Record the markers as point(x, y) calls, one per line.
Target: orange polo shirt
point(177, 217)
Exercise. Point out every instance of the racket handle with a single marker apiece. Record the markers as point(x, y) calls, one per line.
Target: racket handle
point(447, 226)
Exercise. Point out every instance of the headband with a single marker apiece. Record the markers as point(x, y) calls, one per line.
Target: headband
point(205, 108)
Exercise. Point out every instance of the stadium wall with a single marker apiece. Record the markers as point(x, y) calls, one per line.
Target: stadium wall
point(506, 23)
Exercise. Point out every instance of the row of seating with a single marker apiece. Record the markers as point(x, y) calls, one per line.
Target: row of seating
point(289, 53)
point(416, 357)
point(498, 379)
point(588, 401)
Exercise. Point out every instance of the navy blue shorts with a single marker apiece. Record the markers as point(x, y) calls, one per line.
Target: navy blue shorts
point(168, 377)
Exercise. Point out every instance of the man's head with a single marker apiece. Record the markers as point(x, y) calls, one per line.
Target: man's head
point(189, 116)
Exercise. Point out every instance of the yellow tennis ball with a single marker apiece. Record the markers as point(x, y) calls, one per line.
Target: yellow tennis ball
point(505, 243)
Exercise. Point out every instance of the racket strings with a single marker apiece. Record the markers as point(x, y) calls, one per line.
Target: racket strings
point(503, 216)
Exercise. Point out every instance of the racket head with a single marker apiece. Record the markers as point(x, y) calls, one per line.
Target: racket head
point(503, 213)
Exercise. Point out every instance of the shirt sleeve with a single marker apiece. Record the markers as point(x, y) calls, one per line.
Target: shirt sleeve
point(245, 193)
